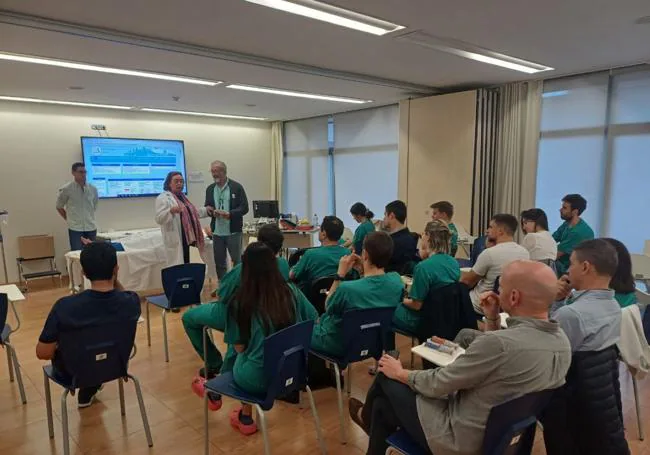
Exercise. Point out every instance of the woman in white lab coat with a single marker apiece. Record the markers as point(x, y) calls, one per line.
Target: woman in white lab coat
point(179, 221)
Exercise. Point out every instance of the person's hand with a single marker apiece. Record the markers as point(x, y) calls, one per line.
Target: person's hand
point(391, 367)
point(563, 288)
point(210, 210)
point(225, 215)
point(207, 231)
point(490, 304)
point(85, 241)
point(176, 209)
point(346, 263)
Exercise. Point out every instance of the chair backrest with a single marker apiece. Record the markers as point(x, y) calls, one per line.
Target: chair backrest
point(365, 333)
point(317, 294)
point(445, 311)
point(4, 309)
point(295, 257)
point(510, 428)
point(285, 360)
point(97, 354)
point(183, 284)
point(477, 248)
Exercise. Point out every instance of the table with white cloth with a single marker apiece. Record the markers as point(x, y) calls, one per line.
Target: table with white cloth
point(139, 264)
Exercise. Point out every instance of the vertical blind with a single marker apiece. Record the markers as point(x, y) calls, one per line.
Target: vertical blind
point(595, 140)
point(331, 162)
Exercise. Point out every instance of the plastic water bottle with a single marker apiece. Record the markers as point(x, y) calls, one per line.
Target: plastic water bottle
point(314, 220)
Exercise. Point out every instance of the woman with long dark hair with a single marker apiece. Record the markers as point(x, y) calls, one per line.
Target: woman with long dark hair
point(364, 217)
point(623, 281)
point(538, 240)
point(264, 304)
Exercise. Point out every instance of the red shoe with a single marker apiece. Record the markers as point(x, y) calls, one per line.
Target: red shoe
point(198, 387)
point(245, 429)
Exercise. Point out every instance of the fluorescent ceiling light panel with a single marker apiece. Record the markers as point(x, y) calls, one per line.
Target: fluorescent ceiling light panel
point(65, 103)
point(332, 14)
point(103, 69)
point(200, 114)
point(466, 50)
point(274, 91)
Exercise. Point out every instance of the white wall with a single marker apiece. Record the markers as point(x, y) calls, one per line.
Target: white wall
point(38, 143)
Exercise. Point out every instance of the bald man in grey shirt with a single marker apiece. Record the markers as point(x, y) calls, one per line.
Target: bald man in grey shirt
point(445, 410)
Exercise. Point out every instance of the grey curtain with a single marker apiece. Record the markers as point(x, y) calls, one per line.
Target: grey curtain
point(485, 153)
point(518, 138)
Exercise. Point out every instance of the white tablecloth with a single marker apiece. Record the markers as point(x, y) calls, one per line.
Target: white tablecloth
point(139, 264)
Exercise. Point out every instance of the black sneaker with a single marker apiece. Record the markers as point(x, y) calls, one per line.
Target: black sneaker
point(86, 397)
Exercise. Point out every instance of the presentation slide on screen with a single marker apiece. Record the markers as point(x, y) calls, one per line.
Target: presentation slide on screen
point(130, 167)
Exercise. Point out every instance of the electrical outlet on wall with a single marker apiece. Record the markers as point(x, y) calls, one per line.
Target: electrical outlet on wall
point(98, 127)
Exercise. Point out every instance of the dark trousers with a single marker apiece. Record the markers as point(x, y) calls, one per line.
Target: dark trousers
point(391, 405)
point(75, 238)
point(186, 247)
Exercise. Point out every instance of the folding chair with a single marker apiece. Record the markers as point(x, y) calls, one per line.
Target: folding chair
point(510, 428)
point(93, 356)
point(5, 332)
point(285, 369)
point(364, 336)
point(182, 285)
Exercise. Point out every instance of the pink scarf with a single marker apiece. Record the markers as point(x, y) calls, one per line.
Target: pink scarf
point(192, 229)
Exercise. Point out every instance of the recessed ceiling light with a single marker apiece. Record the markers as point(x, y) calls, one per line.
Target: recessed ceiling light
point(331, 14)
point(200, 114)
point(103, 69)
point(466, 50)
point(314, 96)
point(65, 103)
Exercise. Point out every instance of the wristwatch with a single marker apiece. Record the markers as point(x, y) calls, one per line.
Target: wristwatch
point(339, 278)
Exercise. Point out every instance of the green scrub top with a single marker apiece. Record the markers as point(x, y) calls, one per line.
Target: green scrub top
point(433, 273)
point(248, 369)
point(625, 299)
point(380, 291)
point(318, 262)
point(454, 239)
point(230, 281)
point(360, 233)
point(567, 238)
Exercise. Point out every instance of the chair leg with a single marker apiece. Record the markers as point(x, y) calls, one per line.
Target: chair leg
point(319, 433)
point(349, 380)
point(148, 324)
point(64, 423)
point(143, 410)
point(164, 321)
point(638, 410)
point(19, 375)
point(339, 394)
point(10, 365)
point(206, 430)
point(262, 419)
point(48, 405)
point(120, 387)
point(412, 355)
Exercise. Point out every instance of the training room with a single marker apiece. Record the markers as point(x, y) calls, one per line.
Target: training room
point(324, 226)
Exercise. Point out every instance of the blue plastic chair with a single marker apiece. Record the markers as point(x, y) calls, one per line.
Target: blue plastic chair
point(365, 333)
point(285, 369)
point(92, 356)
point(5, 332)
point(510, 428)
point(182, 284)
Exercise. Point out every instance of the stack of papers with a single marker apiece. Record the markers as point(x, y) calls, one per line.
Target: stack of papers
point(435, 355)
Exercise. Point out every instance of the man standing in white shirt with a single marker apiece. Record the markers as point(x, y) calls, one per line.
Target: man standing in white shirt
point(76, 203)
point(491, 261)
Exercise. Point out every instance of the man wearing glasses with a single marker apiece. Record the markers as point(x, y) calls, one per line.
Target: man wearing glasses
point(228, 200)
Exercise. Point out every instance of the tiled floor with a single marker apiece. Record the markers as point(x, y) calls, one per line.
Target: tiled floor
point(175, 414)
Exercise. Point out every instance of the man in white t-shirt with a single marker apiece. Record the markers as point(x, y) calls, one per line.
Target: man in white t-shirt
point(491, 261)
